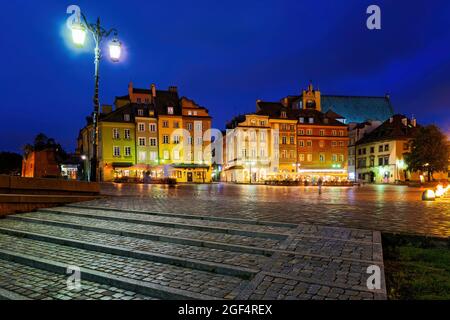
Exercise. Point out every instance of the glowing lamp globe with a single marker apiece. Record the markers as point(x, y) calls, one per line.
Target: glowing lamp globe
point(78, 34)
point(115, 50)
point(428, 195)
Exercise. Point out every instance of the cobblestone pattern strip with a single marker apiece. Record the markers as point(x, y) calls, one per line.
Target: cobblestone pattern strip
point(240, 229)
point(193, 283)
point(89, 244)
point(22, 282)
point(91, 224)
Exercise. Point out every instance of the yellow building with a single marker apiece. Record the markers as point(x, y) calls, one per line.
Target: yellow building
point(150, 133)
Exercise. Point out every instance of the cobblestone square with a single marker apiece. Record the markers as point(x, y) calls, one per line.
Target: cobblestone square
point(211, 242)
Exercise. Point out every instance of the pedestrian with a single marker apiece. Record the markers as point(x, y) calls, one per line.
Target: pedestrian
point(319, 183)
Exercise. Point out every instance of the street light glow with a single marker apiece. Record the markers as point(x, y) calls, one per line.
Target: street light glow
point(115, 50)
point(78, 34)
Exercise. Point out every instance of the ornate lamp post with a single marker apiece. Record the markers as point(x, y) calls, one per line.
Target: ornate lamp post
point(99, 34)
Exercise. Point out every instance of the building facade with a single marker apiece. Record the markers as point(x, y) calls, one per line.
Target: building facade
point(152, 133)
point(305, 144)
point(380, 154)
point(357, 131)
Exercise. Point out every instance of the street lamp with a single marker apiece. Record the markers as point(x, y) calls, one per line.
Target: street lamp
point(99, 34)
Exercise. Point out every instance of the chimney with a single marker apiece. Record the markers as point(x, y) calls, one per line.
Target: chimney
point(153, 86)
point(106, 108)
point(130, 89)
point(414, 121)
point(173, 89)
point(257, 105)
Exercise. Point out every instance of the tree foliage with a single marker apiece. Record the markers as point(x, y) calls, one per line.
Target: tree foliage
point(429, 151)
point(10, 163)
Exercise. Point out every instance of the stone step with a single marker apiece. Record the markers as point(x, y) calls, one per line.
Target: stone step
point(307, 230)
point(213, 260)
point(190, 216)
point(147, 231)
point(199, 225)
point(298, 244)
point(22, 282)
point(145, 277)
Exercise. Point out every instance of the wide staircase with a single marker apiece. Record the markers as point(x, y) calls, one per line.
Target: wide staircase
point(149, 255)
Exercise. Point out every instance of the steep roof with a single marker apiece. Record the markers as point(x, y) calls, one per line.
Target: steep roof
point(358, 108)
point(392, 129)
point(274, 109)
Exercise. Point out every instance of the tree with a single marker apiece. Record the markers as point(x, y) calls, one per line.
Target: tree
point(10, 163)
point(429, 151)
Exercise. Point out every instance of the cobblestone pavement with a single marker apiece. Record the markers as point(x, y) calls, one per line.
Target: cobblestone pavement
point(380, 207)
point(171, 254)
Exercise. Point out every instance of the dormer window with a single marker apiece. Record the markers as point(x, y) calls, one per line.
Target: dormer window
point(169, 110)
point(283, 114)
point(126, 117)
point(302, 120)
point(139, 100)
point(311, 120)
point(140, 112)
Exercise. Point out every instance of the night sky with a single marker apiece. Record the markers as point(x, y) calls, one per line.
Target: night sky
point(222, 54)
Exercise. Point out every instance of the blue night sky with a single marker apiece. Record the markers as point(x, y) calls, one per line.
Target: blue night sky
point(224, 55)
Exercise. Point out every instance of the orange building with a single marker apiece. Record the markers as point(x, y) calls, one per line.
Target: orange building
point(312, 144)
point(40, 164)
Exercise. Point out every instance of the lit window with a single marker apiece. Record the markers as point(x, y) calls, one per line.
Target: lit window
point(311, 120)
point(116, 151)
point(169, 110)
point(166, 155)
point(302, 157)
point(176, 154)
point(309, 157)
point(116, 134)
point(153, 156)
point(321, 144)
point(142, 155)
